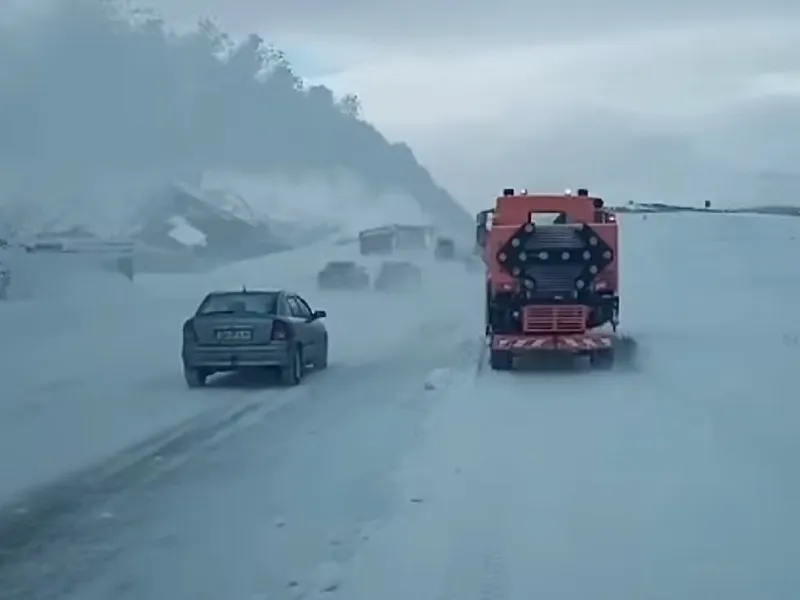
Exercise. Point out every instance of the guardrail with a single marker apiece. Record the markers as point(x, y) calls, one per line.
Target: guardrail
point(108, 247)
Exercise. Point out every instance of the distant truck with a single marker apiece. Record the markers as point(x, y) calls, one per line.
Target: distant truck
point(414, 237)
point(385, 240)
point(378, 240)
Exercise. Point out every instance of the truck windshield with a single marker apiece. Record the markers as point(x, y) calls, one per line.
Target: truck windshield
point(550, 218)
point(341, 266)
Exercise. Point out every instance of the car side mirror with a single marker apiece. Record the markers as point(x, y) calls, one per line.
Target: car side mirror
point(318, 314)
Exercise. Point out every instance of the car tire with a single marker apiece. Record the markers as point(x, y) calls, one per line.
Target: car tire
point(322, 363)
point(195, 378)
point(292, 374)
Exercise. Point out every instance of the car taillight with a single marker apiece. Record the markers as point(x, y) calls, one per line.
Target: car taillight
point(189, 332)
point(280, 331)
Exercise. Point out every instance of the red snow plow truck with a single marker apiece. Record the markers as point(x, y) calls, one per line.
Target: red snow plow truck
point(552, 284)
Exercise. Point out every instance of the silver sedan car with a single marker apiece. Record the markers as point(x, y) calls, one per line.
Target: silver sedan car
point(232, 331)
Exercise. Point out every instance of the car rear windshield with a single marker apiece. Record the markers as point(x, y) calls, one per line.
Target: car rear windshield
point(260, 303)
point(341, 266)
point(397, 267)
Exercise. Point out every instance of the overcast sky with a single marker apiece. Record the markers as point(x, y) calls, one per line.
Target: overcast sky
point(533, 93)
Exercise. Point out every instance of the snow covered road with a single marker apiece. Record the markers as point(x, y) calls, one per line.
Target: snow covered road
point(95, 370)
point(674, 482)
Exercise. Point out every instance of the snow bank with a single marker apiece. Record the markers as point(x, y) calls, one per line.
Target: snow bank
point(321, 199)
point(184, 233)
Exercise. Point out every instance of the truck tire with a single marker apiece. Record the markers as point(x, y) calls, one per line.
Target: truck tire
point(501, 360)
point(602, 359)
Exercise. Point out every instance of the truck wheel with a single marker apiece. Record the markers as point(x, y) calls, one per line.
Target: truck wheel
point(195, 378)
point(602, 359)
point(501, 360)
point(292, 373)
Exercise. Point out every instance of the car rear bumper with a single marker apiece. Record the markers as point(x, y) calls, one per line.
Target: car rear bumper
point(232, 357)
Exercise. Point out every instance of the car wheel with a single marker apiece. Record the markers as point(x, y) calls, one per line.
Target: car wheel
point(292, 373)
point(195, 378)
point(322, 361)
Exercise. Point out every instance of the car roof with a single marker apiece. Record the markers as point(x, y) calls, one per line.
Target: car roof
point(342, 263)
point(248, 291)
point(398, 263)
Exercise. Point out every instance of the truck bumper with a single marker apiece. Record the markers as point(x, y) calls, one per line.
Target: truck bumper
point(584, 343)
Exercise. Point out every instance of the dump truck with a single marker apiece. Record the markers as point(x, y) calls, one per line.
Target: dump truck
point(552, 283)
point(377, 240)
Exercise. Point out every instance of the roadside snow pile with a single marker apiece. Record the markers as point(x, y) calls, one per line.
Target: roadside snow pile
point(179, 218)
point(183, 233)
point(226, 217)
point(331, 200)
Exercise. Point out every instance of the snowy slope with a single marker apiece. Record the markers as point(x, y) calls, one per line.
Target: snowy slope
point(675, 482)
point(227, 210)
point(334, 199)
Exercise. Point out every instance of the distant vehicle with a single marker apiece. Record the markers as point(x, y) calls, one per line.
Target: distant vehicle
point(552, 279)
point(398, 275)
point(414, 237)
point(445, 249)
point(343, 275)
point(378, 240)
point(238, 330)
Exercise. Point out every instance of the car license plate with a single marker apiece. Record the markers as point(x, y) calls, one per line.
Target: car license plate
point(234, 335)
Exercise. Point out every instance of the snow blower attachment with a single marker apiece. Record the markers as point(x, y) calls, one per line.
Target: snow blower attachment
point(552, 282)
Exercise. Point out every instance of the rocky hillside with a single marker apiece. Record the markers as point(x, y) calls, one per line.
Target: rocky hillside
point(99, 106)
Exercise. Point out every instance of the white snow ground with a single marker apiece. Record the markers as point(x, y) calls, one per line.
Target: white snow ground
point(675, 482)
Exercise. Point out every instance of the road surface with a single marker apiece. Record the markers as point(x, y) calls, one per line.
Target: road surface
point(675, 481)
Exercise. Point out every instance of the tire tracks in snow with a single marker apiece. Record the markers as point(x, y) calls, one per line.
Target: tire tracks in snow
point(467, 487)
point(53, 514)
point(97, 542)
point(41, 515)
point(476, 567)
